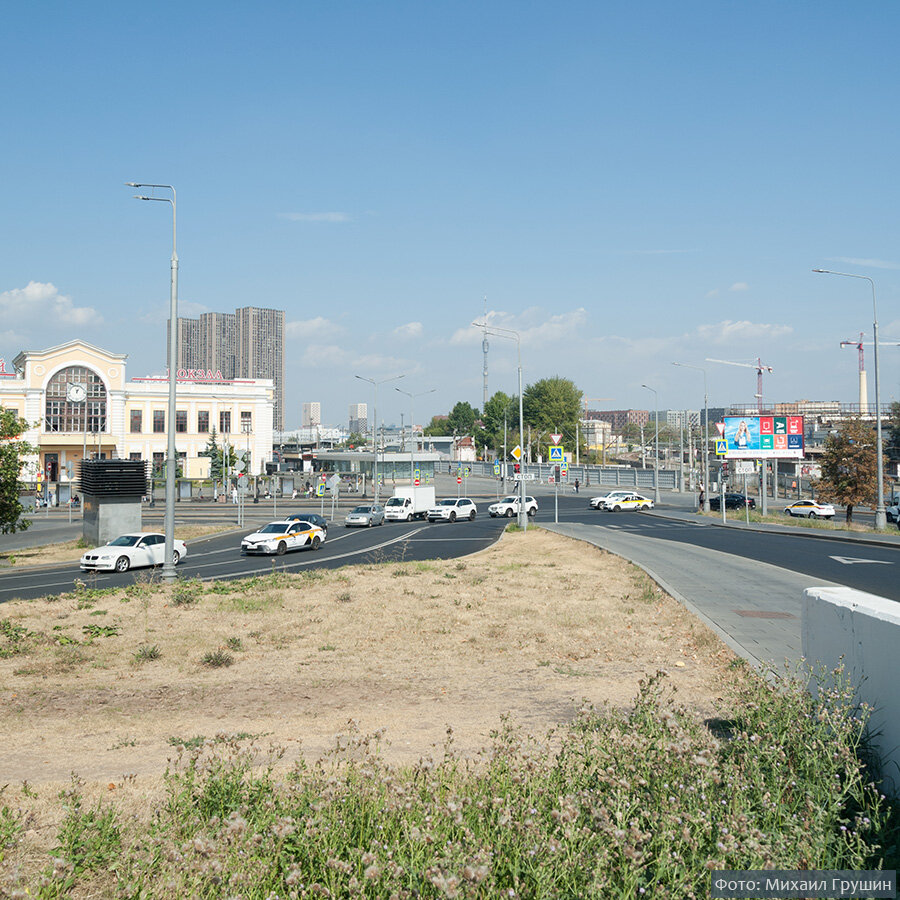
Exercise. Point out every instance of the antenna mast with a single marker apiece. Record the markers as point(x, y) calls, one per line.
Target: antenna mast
point(484, 347)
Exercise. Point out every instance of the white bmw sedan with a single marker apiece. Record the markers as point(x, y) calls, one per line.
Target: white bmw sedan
point(131, 551)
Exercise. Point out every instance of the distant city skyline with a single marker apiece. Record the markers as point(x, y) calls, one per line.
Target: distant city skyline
point(622, 186)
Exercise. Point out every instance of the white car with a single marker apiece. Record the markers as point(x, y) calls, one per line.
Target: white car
point(279, 537)
point(597, 502)
point(365, 516)
point(509, 507)
point(131, 551)
point(809, 509)
point(452, 509)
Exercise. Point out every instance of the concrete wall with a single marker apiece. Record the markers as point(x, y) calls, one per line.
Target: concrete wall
point(105, 518)
point(863, 630)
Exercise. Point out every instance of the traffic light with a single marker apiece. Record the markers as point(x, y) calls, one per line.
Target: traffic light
point(556, 473)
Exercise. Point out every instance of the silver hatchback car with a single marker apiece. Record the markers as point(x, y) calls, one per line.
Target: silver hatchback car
point(365, 516)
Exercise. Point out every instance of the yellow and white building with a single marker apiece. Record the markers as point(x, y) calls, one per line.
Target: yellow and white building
point(78, 404)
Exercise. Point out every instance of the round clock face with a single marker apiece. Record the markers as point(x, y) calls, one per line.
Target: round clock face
point(76, 393)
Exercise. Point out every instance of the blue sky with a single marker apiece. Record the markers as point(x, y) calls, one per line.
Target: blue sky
point(627, 184)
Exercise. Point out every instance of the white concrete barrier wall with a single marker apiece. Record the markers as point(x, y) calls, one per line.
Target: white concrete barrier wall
point(863, 630)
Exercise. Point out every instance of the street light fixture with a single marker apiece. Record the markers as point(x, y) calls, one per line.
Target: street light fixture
point(168, 569)
point(412, 428)
point(705, 432)
point(375, 423)
point(656, 444)
point(880, 515)
point(511, 335)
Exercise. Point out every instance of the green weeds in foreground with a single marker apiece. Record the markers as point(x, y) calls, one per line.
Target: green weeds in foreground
point(644, 803)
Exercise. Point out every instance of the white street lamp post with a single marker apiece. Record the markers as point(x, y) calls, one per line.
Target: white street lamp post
point(880, 516)
point(514, 335)
point(168, 569)
point(705, 432)
point(375, 423)
point(412, 429)
point(655, 444)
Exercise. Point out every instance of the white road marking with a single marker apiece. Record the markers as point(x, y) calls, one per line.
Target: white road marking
point(851, 560)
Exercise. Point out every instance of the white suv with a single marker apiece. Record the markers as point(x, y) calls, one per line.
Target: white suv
point(509, 507)
point(452, 509)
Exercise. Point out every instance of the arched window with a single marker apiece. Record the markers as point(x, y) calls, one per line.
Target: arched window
point(63, 416)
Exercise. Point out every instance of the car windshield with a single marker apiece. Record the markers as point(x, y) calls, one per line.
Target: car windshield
point(395, 501)
point(509, 499)
point(447, 503)
point(362, 509)
point(127, 540)
point(274, 528)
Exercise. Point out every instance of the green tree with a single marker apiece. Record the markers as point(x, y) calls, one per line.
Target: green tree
point(436, 427)
point(217, 456)
point(552, 405)
point(849, 467)
point(462, 418)
point(493, 417)
point(11, 452)
point(892, 449)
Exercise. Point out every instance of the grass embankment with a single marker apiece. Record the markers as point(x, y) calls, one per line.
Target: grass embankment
point(624, 805)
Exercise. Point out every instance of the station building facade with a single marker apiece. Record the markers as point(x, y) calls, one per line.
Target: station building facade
point(79, 405)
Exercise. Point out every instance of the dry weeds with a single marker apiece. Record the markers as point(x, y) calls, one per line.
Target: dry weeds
point(527, 629)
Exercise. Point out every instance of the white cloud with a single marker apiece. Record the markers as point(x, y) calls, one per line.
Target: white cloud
point(409, 330)
point(329, 217)
point(45, 307)
point(740, 286)
point(728, 332)
point(713, 293)
point(865, 263)
point(311, 329)
point(533, 326)
point(317, 355)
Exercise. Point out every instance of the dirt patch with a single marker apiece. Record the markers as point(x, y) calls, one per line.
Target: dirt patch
point(531, 629)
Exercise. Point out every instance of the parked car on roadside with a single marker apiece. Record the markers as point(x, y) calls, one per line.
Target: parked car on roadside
point(131, 551)
point(279, 537)
point(509, 507)
point(732, 501)
point(365, 516)
point(809, 509)
point(452, 509)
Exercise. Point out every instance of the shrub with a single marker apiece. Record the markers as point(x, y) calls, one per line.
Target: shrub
point(218, 658)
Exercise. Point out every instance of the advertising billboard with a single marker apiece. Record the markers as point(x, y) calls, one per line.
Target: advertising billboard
point(763, 437)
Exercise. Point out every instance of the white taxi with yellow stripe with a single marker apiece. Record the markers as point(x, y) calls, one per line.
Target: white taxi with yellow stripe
point(627, 501)
point(279, 537)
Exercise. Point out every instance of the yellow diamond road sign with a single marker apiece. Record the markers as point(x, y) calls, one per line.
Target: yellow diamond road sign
point(517, 453)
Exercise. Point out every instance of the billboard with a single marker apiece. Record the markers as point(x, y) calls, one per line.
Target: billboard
point(763, 437)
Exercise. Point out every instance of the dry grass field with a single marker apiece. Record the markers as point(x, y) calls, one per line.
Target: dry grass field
point(106, 684)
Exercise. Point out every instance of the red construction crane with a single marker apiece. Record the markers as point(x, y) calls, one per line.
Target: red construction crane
point(859, 345)
point(760, 368)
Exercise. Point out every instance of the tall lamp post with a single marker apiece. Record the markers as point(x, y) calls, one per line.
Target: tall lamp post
point(511, 335)
point(880, 516)
point(655, 444)
point(412, 428)
point(375, 423)
point(705, 432)
point(168, 569)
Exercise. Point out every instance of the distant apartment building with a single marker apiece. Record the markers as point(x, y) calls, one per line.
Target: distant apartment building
point(359, 418)
point(248, 343)
point(312, 414)
point(619, 418)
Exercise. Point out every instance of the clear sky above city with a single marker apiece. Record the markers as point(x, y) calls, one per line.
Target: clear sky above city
point(627, 185)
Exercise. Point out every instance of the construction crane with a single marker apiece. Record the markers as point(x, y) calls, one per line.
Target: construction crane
point(863, 390)
point(760, 368)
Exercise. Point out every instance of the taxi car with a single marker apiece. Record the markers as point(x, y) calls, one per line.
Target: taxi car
point(628, 501)
point(279, 537)
point(130, 551)
point(597, 502)
point(809, 509)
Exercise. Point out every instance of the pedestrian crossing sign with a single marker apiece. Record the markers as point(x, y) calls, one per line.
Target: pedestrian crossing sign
point(721, 447)
point(556, 453)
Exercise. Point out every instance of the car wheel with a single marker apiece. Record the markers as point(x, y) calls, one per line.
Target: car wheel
point(472, 516)
point(812, 515)
point(617, 509)
point(316, 542)
point(281, 549)
point(509, 513)
point(532, 512)
point(453, 517)
point(176, 558)
point(645, 506)
point(123, 564)
point(409, 518)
